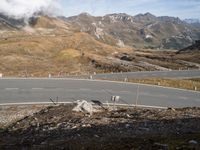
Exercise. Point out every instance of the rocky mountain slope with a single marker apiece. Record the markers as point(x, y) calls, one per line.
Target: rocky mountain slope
point(143, 30)
point(87, 44)
point(193, 22)
point(9, 23)
point(122, 30)
point(191, 52)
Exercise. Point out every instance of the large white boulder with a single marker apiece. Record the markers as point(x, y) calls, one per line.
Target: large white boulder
point(84, 106)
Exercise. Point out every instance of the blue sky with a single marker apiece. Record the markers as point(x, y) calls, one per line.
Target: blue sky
point(178, 8)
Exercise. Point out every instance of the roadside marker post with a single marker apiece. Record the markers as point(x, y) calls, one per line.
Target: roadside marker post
point(115, 99)
point(195, 88)
point(137, 96)
point(126, 80)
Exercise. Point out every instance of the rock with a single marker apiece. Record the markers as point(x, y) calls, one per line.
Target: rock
point(43, 143)
point(128, 116)
point(96, 136)
point(84, 106)
point(193, 142)
point(161, 146)
point(170, 108)
point(127, 125)
point(46, 110)
point(74, 127)
point(58, 125)
point(144, 129)
point(104, 119)
point(86, 125)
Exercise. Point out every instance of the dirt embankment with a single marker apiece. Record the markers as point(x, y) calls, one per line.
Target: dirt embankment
point(133, 128)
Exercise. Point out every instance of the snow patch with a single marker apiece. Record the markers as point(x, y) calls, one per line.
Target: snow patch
point(99, 33)
point(120, 43)
point(148, 36)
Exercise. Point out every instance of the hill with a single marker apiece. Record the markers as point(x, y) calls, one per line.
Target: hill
point(191, 53)
point(84, 44)
point(140, 31)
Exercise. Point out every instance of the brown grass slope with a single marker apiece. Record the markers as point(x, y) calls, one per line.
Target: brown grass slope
point(51, 45)
point(60, 50)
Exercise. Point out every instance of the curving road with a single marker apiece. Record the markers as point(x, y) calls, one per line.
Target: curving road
point(40, 90)
point(146, 74)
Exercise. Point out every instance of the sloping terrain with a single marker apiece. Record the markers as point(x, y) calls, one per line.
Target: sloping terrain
point(58, 46)
point(56, 49)
point(134, 128)
point(143, 30)
point(190, 53)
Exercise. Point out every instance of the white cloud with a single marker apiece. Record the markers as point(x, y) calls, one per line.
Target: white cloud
point(26, 8)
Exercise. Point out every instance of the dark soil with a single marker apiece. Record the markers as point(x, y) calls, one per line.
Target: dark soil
point(132, 129)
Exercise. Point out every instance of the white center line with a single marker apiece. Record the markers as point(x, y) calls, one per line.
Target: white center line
point(37, 88)
point(11, 88)
point(85, 89)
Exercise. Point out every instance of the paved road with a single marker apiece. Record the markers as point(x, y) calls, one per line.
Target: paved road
point(40, 90)
point(146, 74)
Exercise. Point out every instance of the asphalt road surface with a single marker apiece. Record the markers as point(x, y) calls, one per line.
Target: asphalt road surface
point(41, 90)
point(146, 74)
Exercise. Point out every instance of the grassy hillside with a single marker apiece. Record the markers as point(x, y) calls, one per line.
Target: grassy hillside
point(53, 46)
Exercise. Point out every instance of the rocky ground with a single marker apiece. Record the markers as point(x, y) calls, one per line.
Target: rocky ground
point(58, 127)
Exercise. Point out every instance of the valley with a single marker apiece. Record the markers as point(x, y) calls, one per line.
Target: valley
point(62, 46)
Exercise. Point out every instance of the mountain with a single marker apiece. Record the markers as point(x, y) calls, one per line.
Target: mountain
point(193, 22)
point(122, 30)
point(193, 47)
point(190, 53)
point(7, 22)
point(86, 44)
point(51, 45)
point(143, 30)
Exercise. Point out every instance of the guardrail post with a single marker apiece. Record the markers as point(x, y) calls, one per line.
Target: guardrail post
point(125, 79)
point(195, 88)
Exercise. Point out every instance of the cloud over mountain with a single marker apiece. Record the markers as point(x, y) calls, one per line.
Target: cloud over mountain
point(27, 8)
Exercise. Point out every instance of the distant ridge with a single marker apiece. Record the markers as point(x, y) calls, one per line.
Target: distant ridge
point(195, 46)
point(118, 29)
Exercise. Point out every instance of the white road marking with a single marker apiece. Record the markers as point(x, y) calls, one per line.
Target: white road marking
point(33, 103)
point(48, 103)
point(125, 91)
point(85, 89)
point(181, 97)
point(37, 88)
point(105, 81)
point(11, 88)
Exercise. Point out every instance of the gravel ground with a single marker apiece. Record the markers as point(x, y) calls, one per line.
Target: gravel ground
point(59, 127)
point(11, 114)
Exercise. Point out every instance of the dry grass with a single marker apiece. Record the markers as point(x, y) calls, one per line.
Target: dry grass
point(189, 84)
point(55, 47)
point(41, 55)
